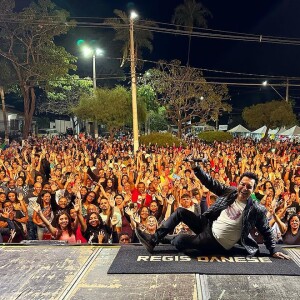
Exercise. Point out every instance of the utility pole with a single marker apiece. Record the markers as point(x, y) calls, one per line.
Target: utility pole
point(95, 87)
point(94, 72)
point(287, 90)
point(133, 87)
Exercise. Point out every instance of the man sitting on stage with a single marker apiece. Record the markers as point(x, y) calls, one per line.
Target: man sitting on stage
point(227, 222)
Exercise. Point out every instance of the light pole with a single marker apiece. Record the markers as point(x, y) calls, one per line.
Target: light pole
point(135, 128)
point(265, 83)
point(94, 52)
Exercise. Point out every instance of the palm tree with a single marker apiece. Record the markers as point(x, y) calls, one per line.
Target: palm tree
point(189, 14)
point(142, 35)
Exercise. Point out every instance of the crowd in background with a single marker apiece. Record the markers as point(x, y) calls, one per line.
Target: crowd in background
point(84, 190)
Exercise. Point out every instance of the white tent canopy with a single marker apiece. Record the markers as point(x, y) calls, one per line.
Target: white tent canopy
point(263, 129)
point(239, 129)
point(281, 130)
point(292, 131)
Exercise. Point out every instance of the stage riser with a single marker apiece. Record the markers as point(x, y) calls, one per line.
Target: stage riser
point(80, 272)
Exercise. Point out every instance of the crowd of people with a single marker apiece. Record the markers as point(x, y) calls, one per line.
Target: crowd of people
point(84, 190)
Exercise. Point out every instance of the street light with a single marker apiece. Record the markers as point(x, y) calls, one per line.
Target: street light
point(133, 16)
point(88, 51)
point(265, 83)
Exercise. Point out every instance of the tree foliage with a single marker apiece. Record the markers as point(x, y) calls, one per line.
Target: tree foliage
point(148, 96)
point(273, 114)
point(110, 107)
point(189, 14)
point(158, 119)
point(143, 37)
point(212, 136)
point(161, 139)
point(27, 42)
point(185, 94)
point(64, 93)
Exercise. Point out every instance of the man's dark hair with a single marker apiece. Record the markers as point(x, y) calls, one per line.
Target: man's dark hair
point(185, 196)
point(251, 176)
point(124, 234)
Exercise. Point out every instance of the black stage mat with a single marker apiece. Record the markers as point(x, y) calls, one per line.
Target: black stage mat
point(167, 260)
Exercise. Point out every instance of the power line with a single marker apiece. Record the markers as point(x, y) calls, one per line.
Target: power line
point(204, 33)
point(245, 37)
point(220, 71)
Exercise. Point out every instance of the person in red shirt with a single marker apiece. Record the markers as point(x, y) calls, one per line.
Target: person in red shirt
point(140, 196)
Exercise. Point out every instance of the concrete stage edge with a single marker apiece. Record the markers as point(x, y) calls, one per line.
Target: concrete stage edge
point(80, 272)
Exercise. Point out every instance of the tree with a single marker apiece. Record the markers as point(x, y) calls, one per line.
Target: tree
point(110, 107)
point(147, 95)
point(7, 79)
point(273, 114)
point(27, 42)
point(186, 94)
point(189, 14)
point(142, 35)
point(63, 94)
point(158, 120)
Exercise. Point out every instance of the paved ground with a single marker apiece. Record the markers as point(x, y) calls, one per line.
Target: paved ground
point(80, 272)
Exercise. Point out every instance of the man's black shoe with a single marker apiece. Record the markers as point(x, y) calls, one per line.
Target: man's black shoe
point(146, 239)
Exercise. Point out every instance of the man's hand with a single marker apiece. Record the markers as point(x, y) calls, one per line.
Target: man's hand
point(5, 213)
point(36, 207)
point(170, 200)
point(129, 211)
point(20, 197)
point(280, 255)
point(114, 220)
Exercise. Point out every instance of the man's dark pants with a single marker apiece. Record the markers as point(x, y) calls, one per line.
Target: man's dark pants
point(203, 239)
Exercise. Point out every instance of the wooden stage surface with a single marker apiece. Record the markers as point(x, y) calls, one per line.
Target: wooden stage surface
point(80, 272)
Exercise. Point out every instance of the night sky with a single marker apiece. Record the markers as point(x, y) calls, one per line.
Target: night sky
point(277, 18)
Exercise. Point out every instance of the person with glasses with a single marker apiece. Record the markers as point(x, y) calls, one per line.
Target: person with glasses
point(227, 222)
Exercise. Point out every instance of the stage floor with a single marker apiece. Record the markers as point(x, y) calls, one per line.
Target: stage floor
point(80, 272)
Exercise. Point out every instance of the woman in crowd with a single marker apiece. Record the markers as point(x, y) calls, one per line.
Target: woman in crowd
point(62, 230)
point(76, 225)
point(122, 179)
point(290, 231)
point(121, 203)
point(22, 186)
point(83, 192)
point(17, 201)
point(110, 187)
point(90, 198)
point(44, 200)
point(94, 230)
point(151, 225)
point(143, 214)
point(156, 209)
